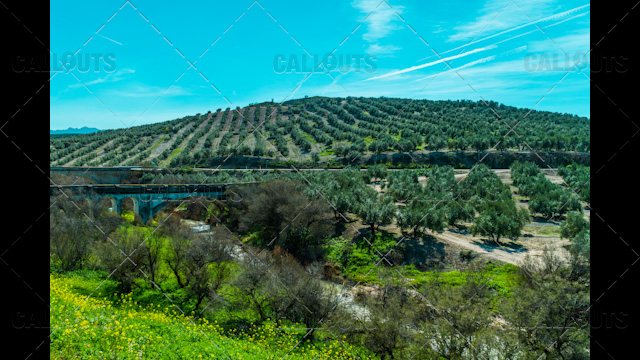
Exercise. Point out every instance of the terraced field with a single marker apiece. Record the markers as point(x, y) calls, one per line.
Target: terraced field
point(323, 129)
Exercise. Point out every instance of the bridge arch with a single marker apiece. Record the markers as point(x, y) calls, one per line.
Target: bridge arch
point(135, 205)
point(146, 200)
point(108, 201)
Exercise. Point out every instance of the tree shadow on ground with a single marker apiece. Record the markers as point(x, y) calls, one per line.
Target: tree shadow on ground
point(506, 245)
point(340, 227)
point(423, 250)
point(460, 229)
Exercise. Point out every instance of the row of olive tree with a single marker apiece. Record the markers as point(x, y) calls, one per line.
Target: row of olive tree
point(441, 201)
point(546, 198)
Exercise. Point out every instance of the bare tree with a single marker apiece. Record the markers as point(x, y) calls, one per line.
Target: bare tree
point(153, 257)
point(75, 224)
point(387, 326)
point(251, 284)
point(207, 265)
point(298, 294)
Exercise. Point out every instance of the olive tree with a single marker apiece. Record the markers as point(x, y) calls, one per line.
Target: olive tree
point(420, 215)
point(376, 210)
point(500, 218)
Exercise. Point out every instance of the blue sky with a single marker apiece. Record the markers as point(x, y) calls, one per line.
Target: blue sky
point(168, 60)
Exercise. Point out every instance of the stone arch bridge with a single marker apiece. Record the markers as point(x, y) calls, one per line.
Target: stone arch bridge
point(147, 200)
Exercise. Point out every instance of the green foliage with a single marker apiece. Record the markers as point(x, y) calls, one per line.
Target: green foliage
point(577, 228)
point(403, 185)
point(377, 172)
point(555, 202)
point(550, 297)
point(458, 211)
point(578, 177)
point(500, 218)
point(252, 302)
point(546, 198)
point(574, 224)
point(581, 245)
point(124, 250)
point(359, 260)
point(284, 216)
point(339, 250)
point(419, 215)
point(75, 227)
point(375, 210)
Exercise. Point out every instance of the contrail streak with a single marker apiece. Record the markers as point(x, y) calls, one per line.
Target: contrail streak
point(476, 62)
point(417, 67)
point(110, 39)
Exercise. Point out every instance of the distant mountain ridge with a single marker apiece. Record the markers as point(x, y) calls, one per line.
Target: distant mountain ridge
point(82, 130)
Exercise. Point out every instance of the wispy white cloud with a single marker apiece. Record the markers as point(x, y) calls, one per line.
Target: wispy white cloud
point(567, 19)
point(578, 41)
point(381, 21)
point(498, 15)
point(151, 91)
point(467, 65)
point(115, 76)
point(375, 49)
point(334, 83)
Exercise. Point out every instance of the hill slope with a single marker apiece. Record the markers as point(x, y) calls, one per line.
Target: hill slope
point(327, 129)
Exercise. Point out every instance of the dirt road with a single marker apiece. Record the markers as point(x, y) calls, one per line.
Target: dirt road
point(492, 251)
point(506, 251)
